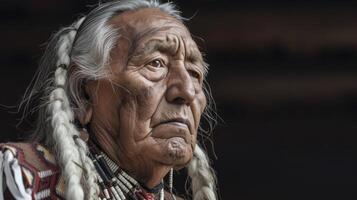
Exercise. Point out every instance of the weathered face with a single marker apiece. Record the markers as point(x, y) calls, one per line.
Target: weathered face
point(150, 107)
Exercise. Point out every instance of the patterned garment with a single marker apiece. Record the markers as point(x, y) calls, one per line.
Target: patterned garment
point(29, 171)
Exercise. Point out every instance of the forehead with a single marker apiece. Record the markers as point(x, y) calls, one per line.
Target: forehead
point(145, 18)
point(145, 24)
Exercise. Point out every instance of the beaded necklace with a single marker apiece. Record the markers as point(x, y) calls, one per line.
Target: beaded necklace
point(116, 184)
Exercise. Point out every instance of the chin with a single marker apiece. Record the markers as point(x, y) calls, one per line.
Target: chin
point(176, 152)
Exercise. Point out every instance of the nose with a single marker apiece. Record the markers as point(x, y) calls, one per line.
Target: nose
point(180, 88)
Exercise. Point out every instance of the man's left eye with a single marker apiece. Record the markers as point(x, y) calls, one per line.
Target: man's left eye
point(157, 63)
point(194, 74)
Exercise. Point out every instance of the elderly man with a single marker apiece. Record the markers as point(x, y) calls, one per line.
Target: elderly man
point(119, 96)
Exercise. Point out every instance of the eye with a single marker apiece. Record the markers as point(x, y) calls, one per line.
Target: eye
point(157, 63)
point(194, 74)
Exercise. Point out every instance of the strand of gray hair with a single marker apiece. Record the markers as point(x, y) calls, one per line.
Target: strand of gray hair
point(203, 179)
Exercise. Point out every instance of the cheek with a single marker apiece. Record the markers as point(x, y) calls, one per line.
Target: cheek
point(140, 102)
point(146, 94)
point(148, 99)
point(198, 107)
point(106, 103)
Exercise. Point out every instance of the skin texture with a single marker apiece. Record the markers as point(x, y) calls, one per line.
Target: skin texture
point(145, 115)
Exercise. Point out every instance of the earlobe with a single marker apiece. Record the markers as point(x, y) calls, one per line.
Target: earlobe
point(88, 115)
point(85, 117)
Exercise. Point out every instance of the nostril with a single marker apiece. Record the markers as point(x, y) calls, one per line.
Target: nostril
point(180, 88)
point(179, 100)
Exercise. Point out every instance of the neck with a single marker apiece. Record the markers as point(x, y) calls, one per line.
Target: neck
point(117, 183)
point(149, 175)
point(155, 177)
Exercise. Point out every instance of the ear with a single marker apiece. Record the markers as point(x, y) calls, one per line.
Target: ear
point(85, 116)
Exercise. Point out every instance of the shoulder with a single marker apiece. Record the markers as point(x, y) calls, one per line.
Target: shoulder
point(33, 154)
point(29, 169)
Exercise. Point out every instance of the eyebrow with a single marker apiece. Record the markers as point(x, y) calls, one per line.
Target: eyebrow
point(154, 45)
point(134, 45)
point(193, 55)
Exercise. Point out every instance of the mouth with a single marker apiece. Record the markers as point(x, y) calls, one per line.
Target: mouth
point(176, 121)
point(182, 129)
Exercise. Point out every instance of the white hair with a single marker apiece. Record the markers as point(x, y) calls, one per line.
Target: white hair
point(203, 180)
point(87, 45)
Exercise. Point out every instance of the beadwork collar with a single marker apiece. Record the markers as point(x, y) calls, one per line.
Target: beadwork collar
point(115, 183)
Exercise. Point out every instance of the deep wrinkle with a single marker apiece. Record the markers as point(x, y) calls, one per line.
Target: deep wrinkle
point(150, 118)
point(191, 55)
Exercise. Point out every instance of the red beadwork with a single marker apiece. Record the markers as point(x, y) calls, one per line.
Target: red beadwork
point(142, 195)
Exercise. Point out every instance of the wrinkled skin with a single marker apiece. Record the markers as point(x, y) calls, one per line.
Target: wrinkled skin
point(146, 114)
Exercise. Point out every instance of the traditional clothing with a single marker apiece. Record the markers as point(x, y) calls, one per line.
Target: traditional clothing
point(29, 171)
point(88, 54)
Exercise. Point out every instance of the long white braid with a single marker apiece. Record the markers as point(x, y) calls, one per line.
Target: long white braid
point(71, 156)
point(203, 181)
point(90, 181)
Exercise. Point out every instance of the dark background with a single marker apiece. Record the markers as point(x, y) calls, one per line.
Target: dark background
point(283, 74)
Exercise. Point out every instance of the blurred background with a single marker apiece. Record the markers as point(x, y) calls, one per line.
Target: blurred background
point(283, 74)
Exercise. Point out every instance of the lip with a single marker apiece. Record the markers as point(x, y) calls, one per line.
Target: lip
point(182, 129)
point(176, 122)
point(175, 130)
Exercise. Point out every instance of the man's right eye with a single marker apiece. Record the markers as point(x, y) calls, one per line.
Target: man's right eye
point(157, 63)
